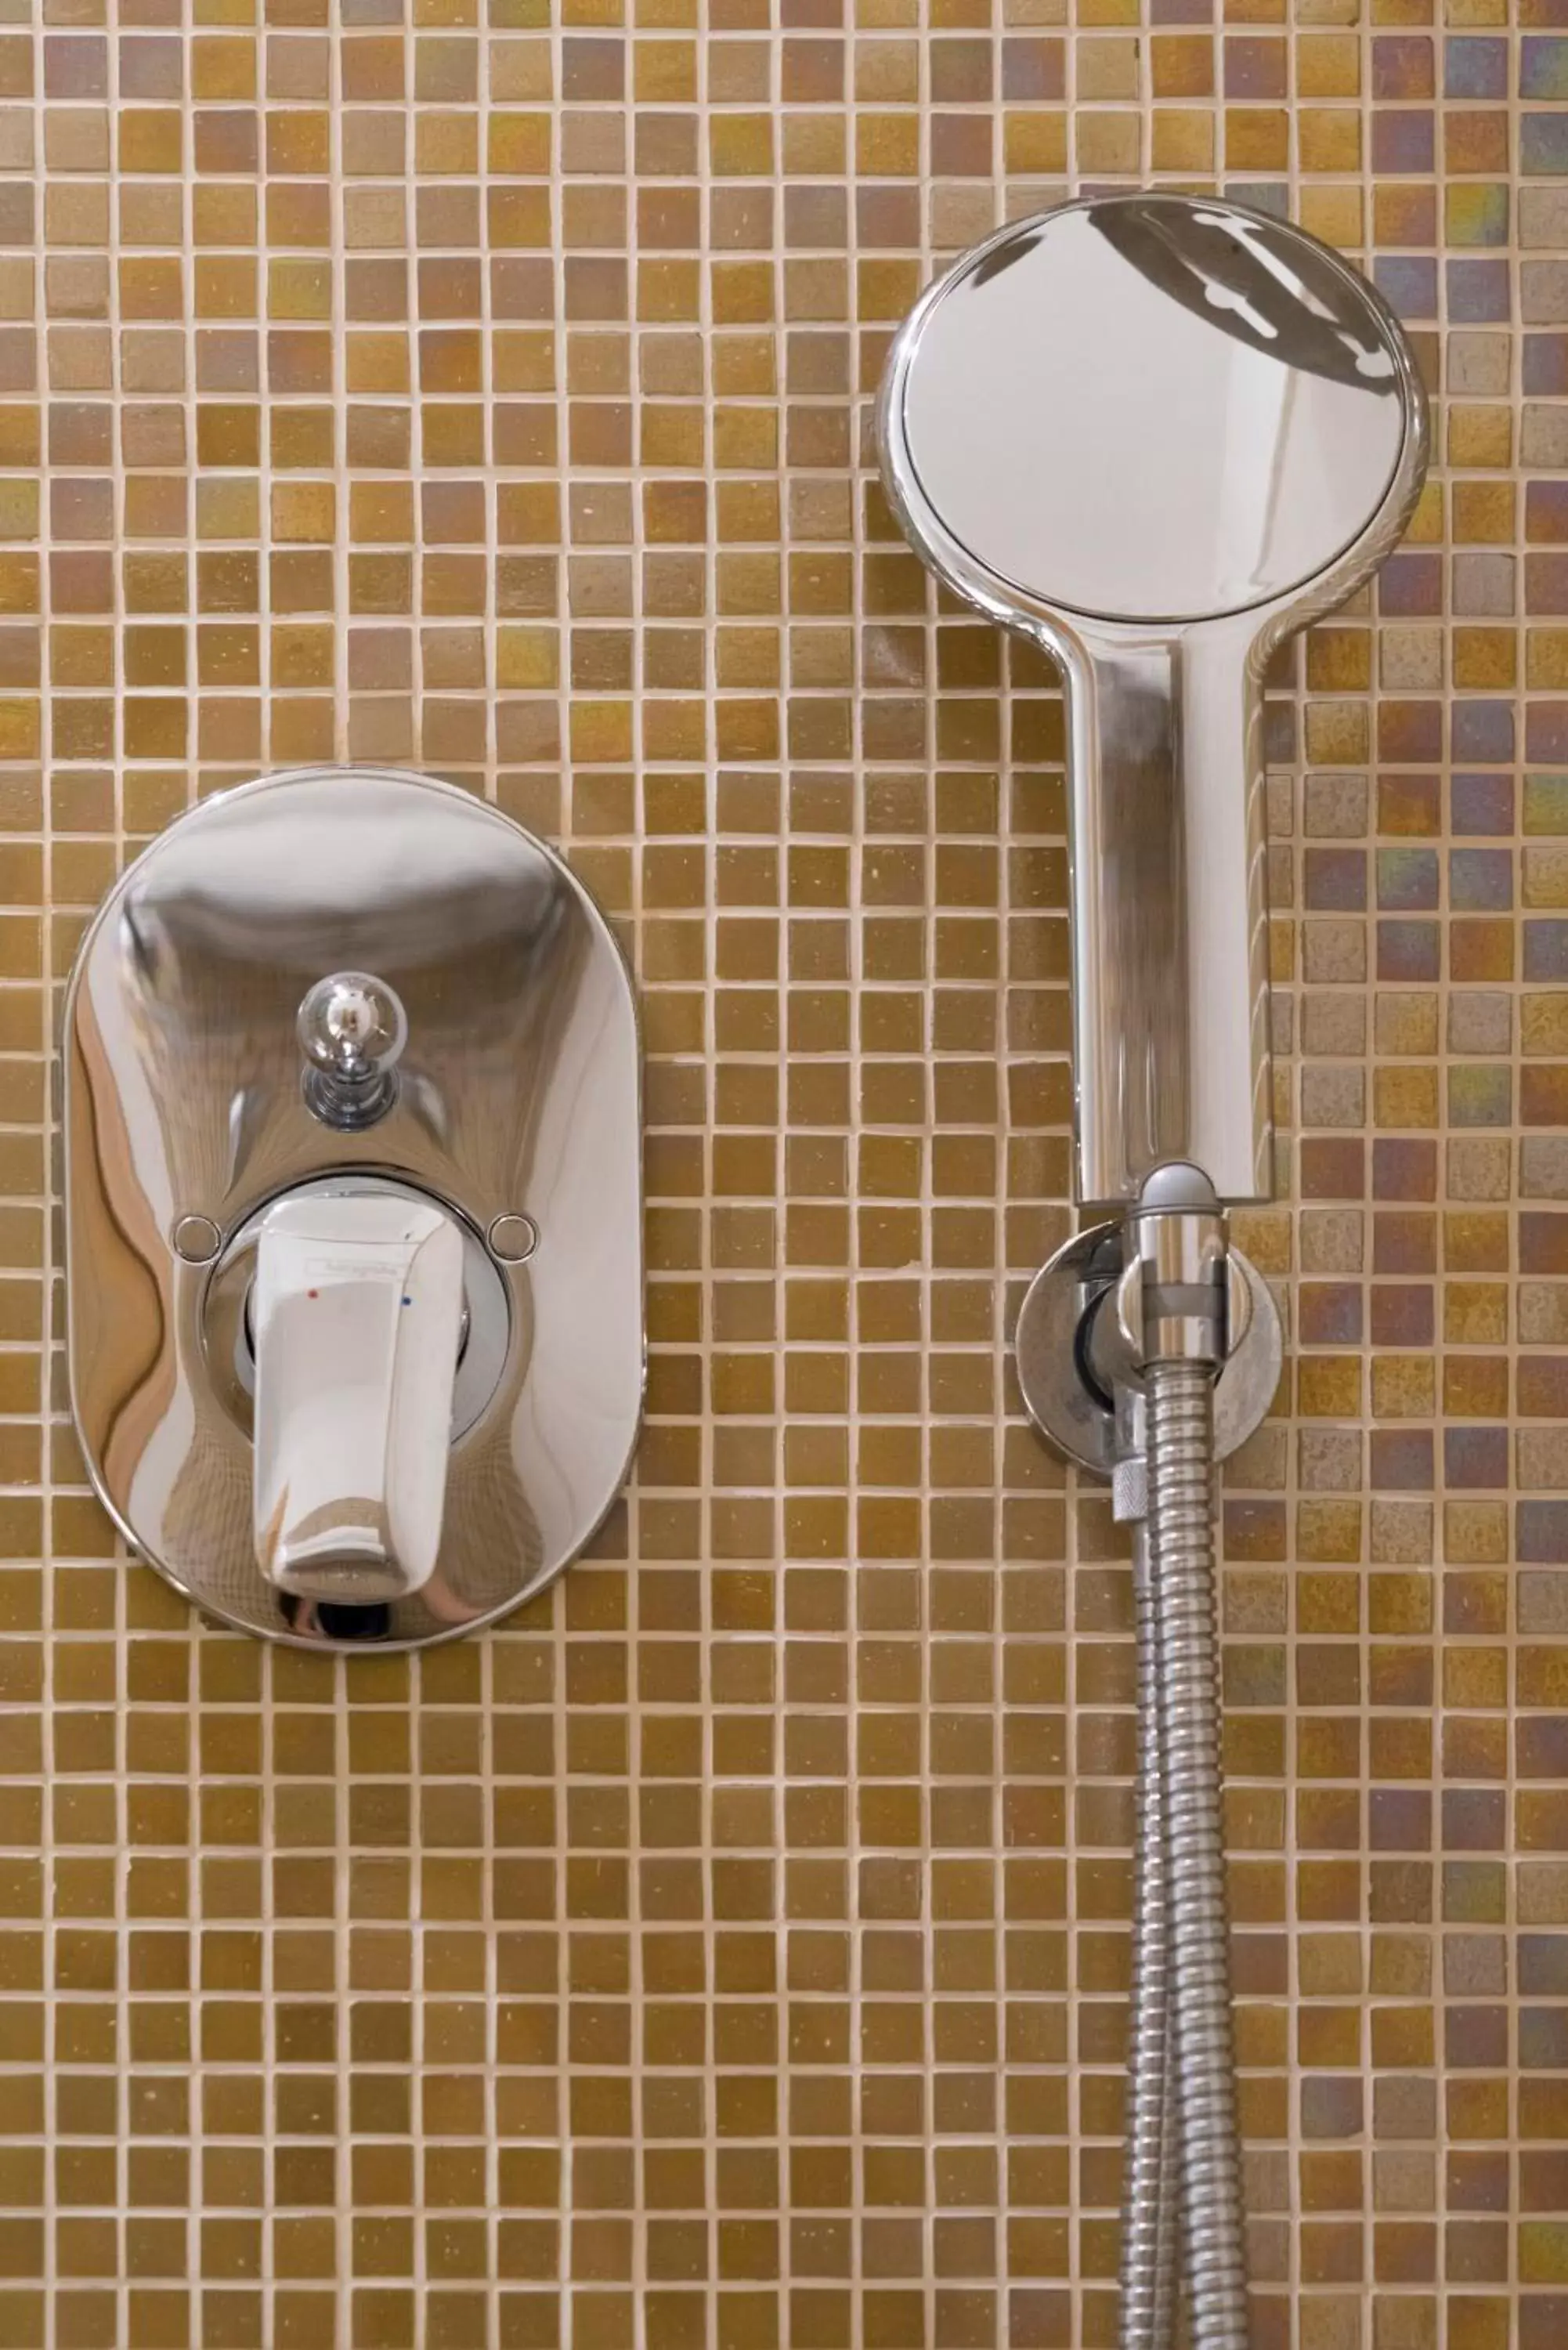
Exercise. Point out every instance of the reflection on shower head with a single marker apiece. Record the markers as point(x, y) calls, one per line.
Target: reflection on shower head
point(1226, 269)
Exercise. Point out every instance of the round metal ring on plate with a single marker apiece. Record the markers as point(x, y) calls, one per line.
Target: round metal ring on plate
point(513, 1239)
point(196, 1240)
point(1058, 1395)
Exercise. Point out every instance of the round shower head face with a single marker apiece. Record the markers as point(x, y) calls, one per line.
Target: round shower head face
point(1150, 410)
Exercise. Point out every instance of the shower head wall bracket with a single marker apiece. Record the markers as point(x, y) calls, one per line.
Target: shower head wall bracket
point(1155, 434)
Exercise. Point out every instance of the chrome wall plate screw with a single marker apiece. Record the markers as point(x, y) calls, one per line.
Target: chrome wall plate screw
point(195, 1240)
point(512, 1238)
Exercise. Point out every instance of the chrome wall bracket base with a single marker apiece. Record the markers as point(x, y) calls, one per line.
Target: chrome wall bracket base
point(189, 1131)
point(1056, 1347)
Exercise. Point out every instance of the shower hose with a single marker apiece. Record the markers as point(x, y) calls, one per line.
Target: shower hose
point(1183, 2179)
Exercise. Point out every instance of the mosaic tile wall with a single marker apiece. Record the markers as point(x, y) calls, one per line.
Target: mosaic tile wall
point(731, 1955)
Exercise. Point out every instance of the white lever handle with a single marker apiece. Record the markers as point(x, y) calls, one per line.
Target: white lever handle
point(357, 1315)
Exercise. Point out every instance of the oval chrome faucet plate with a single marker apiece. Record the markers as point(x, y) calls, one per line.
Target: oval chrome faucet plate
point(518, 1098)
point(1214, 406)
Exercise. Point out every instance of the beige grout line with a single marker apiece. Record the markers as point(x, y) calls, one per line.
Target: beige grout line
point(51, 2085)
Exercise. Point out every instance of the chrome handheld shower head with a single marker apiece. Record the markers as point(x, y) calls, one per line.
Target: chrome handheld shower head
point(1155, 434)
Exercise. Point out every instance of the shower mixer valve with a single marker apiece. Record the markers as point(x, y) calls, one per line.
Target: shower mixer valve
point(353, 1185)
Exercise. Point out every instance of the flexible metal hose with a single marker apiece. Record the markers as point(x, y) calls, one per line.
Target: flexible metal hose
point(1150, 2201)
point(1181, 1423)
